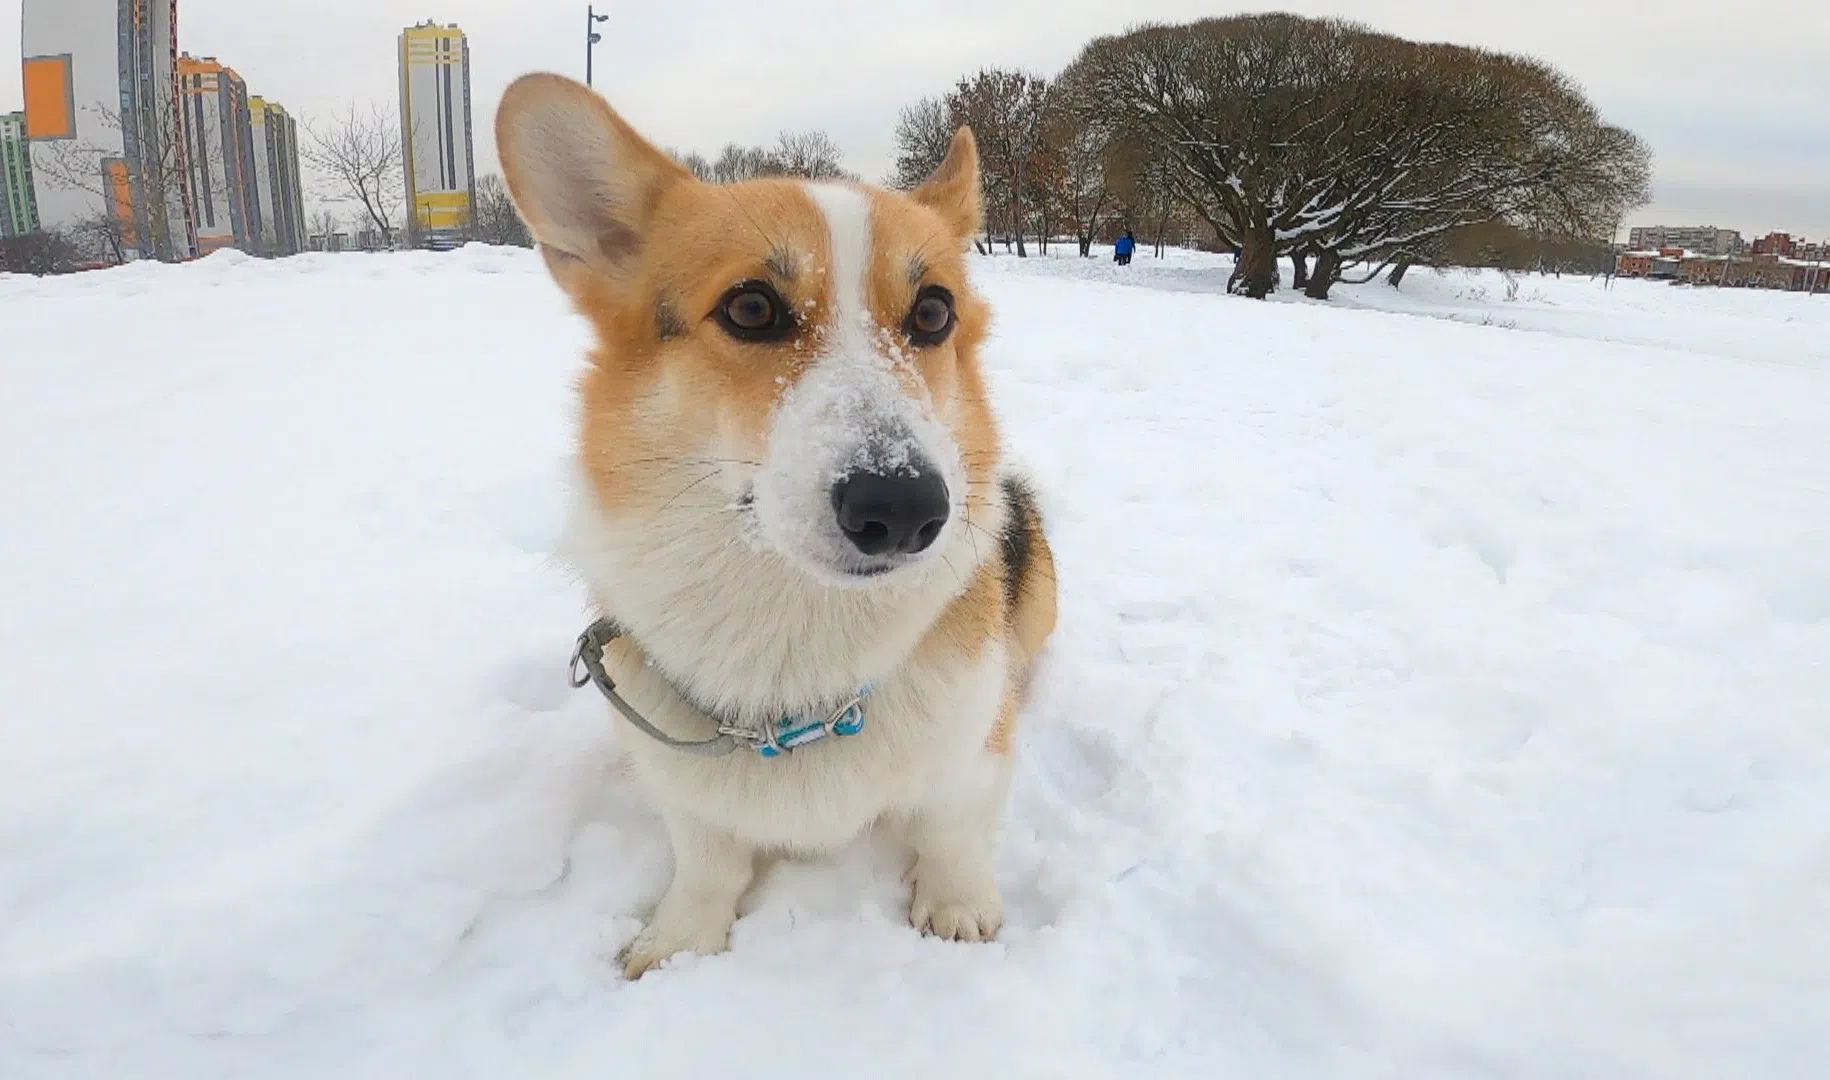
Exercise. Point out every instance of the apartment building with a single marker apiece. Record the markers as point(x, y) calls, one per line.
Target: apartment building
point(219, 145)
point(18, 202)
point(435, 118)
point(102, 117)
point(1702, 239)
point(278, 199)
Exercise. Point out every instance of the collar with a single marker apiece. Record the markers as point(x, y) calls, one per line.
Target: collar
point(771, 739)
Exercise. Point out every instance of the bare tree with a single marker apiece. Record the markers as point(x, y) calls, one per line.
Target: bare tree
point(103, 236)
point(496, 221)
point(157, 175)
point(1085, 159)
point(809, 154)
point(1158, 193)
point(324, 225)
point(736, 164)
point(359, 157)
point(1006, 111)
point(694, 162)
point(923, 133)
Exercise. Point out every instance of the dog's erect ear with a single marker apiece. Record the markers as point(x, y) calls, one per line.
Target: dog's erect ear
point(583, 180)
point(953, 190)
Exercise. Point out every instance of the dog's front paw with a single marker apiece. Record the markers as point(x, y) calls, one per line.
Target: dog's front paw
point(955, 914)
point(659, 941)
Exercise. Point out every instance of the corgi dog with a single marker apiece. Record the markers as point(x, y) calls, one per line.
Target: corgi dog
point(824, 588)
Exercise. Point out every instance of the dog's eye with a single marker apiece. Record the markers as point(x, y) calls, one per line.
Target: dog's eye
point(754, 311)
point(751, 311)
point(931, 319)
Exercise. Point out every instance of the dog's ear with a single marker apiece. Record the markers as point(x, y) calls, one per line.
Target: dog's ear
point(582, 179)
point(953, 190)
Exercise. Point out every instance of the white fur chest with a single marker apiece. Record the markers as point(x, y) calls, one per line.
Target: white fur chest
point(923, 724)
point(748, 640)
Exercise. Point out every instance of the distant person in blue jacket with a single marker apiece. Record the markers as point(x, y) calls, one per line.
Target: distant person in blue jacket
point(1121, 251)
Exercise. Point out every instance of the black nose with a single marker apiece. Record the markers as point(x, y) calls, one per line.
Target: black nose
point(881, 514)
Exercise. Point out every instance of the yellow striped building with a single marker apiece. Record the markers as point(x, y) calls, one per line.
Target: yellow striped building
point(436, 134)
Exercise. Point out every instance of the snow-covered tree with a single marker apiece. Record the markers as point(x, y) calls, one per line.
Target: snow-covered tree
point(1322, 139)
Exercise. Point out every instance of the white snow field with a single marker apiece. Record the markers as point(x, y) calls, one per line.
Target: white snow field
point(1431, 699)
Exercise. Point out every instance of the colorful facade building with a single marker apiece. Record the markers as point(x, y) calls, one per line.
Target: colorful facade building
point(436, 134)
point(219, 150)
point(278, 199)
point(102, 116)
point(18, 202)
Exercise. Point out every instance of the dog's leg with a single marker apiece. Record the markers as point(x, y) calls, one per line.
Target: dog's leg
point(711, 871)
point(955, 872)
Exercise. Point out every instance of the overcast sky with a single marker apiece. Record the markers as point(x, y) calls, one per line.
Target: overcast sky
point(1733, 97)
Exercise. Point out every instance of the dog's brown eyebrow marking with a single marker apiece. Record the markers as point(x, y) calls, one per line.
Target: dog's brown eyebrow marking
point(918, 269)
point(780, 262)
point(667, 320)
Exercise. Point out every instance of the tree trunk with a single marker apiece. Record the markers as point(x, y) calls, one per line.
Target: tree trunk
point(1086, 245)
point(1327, 272)
point(1016, 216)
point(1301, 261)
point(1402, 268)
point(1255, 275)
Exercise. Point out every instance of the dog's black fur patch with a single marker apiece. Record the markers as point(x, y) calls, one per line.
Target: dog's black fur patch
point(1019, 540)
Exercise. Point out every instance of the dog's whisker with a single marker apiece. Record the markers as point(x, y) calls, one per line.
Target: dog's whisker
point(957, 576)
point(993, 537)
point(688, 488)
point(681, 461)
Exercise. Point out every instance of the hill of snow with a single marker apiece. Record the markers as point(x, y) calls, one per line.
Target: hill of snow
point(1431, 699)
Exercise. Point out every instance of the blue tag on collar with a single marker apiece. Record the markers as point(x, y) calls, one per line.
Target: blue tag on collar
point(792, 732)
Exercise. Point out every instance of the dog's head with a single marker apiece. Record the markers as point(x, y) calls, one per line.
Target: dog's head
point(792, 360)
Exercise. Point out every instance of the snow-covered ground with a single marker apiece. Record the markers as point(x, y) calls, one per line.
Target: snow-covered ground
point(1431, 699)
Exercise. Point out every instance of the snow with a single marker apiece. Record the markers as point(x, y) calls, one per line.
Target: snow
point(1442, 690)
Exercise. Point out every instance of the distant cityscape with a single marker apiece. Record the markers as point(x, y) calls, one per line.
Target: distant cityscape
point(1706, 255)
point(131, 148)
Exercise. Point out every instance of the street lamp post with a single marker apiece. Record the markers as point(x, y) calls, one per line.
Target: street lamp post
point(592, 37)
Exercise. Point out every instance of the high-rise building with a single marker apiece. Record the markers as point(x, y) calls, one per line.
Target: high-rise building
point(219, 150)
point(279, 204)
point(18, 203)
point(435, 133)
point(101, 111)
